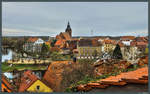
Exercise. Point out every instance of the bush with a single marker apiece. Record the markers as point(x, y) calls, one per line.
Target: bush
point(79, 73)
point(68, 90)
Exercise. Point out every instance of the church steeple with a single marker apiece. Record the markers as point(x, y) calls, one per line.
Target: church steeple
point(68, 24)
point(68, 29)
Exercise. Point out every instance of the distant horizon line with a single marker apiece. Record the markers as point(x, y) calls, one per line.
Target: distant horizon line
point(77, 36)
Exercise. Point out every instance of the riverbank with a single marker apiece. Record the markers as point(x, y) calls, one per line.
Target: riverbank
point(28, 61)
point(9, 68)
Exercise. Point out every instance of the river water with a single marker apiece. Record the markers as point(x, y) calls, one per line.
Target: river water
point(9, 75)
point(7, 56)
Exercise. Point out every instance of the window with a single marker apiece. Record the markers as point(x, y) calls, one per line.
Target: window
point(38, 87)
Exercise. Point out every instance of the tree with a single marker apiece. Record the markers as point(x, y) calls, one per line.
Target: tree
point(53, 42)
point(117, 52)
point(44, 50)
point(95, 53)
point(56, 56)
point(19, 47)
point(76, 72)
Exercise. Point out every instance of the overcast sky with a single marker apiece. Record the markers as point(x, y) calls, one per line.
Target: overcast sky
point(51, 18)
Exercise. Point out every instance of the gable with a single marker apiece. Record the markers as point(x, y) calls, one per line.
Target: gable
point(42, 87)
point(27, 80)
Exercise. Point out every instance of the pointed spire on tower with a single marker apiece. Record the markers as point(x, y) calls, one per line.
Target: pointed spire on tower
point(68, 29)
point(68, 23)
point(68, 26)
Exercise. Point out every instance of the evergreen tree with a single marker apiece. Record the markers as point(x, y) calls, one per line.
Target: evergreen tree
point(44, 50)
point(117, 52)
point(95, 53)
point(53, 42)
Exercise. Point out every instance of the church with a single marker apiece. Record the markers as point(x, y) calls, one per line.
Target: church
point(67, 35)
point(63, 37)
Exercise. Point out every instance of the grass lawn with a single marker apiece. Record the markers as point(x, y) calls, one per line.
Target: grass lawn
point(7, 68)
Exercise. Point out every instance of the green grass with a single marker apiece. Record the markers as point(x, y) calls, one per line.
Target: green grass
point(7, 68)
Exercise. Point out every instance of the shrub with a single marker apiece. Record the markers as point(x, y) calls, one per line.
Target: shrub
point(79, 73)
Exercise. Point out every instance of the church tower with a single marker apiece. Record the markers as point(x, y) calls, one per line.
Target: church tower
point(68, 30)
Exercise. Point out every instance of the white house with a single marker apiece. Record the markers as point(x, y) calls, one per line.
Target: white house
point(33, 45)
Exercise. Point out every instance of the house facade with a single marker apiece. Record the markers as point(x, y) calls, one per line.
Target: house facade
point(129, 52)
point(88, 48)
point(33, 45)
point(39, 86)
point(108, 45)
point(31, 83)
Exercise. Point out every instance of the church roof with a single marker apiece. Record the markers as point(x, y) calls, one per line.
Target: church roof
point(89, 43)
point(65, 35)
point(59, 42)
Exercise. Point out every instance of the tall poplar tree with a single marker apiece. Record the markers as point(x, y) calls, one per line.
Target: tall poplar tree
point(117, 52)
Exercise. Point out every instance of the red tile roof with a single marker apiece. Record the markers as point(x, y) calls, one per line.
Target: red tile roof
point(59, 42)
point(55, 49)
point(133, 43)
point(58, 37)
point(141, 43)
point(89, 43)
point(27, 80)
point(65, 35)
point(140, 39)
point(108, 41)
point(32, 39)
point(128, 38)
point(53, 75)
point(120, 44)
point(6, 83)
point(139, 76)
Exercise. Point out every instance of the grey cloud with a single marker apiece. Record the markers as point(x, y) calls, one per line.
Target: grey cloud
point(51, 18)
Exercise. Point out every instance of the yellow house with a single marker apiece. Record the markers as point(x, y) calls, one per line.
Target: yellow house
point(39, 86)
point(31, 83)
point(108, 45)
point(88, 47)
